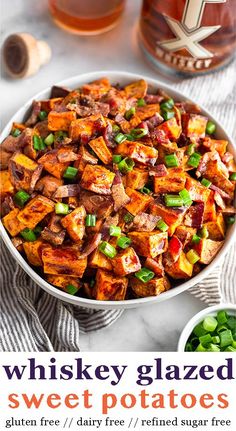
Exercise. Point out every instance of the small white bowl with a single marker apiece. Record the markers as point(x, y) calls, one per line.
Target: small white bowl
point(199, 317)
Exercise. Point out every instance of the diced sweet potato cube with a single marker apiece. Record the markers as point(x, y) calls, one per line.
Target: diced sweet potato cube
point(24, 172)
point(197, 191)
point(153, 287)
point(149, 244)
point(33, 251)
point(138, 152)
point(173, 182)
point(136, 89)
point(75, 223)
point(138, 201)
point(185, 234)
point(35, 211)
point(218, 145)
point(62, 281)
point(216, 173)
point(172, 217)
point(136, 179)
point(100, 148)
point(97, 179)
point(99, 260)
point(109, 287)
point(97, 89)
point(171, 129)
point(85, 126)
point(194, 126)
point(142, 113)
point(210, 208)
point(51, 104)
point(155, 265)
point(5, 184)
point(63, 261)
point(60, 120)
point(207, 249)
point(51, 163)
point(182, 268)
point(84, 157)
point(12, 224)
point(126, 262)
point(216, 229)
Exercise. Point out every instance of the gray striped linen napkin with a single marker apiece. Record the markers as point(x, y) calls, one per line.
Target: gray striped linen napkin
point(32, 320)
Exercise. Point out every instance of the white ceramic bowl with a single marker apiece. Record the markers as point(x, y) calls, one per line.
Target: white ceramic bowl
point(199, 317)
point(123, 78)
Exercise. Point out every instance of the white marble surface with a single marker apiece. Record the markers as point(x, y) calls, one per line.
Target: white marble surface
point(153, 328)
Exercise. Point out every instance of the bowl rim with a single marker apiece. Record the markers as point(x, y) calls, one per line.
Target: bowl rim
point(115, 76)
point(197, 318)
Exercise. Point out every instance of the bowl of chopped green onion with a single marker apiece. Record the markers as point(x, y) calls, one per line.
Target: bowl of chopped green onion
point(211, 330)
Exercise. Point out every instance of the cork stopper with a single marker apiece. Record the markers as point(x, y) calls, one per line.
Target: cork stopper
point(23, 55)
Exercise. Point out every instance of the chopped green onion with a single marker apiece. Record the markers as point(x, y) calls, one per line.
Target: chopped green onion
point(191, 149)
point(192, 256)
point(199, 330)
point(204, 232)
point(232, 323)
point(21, 197)
point(200, 348)
point(144, 275)
point(123, 242)
point(206, 182)
point(216, 339)
point(230, 349)
point(15, 132)
point(71, 289)
point(226, 338)
point(138, 133)
point(232, 176)
point(184, 194)
point(221, 328)
point(168, 115)
point(210, 323)
point(161, 225)
point(61, 208)
point(171, 161)
point(194, 160)
point(141, 102)
point(128, 218)
point(167, 105)
point(116, 158)
point(115, 128)
point(129, 114)
point(70, 173)
point(222, 317)
point(213, 348)
point(126, 165)
point(38, 143)
point(205, 339)
point(90, 220)
point(210, 128)
point(114, 230)
point(28, 234)
point(42, 115)
point(107, 249)
point(230, 220)
point(49, 139)
point(188, 347)
point(145, 190)
point(196, 239)
point(119, 138)
point(173, 201)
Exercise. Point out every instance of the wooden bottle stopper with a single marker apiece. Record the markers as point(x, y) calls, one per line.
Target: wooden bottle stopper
point(23, 55)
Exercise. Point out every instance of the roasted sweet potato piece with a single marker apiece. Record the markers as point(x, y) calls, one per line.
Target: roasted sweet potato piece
point(171, 129)
point(155, 265)
point(100, 148)
point(84, 158)
point(139, 152)
point(149, 244)
point(194, 126)
point(153, 287)
point(172, 217)
point(97, 179)
point(75, 223)
point(63, 261)
point(136, 179)
point(197, 191)
point(126, 262)
point(5, 184)
point(47, 185)
point(207, 249)
point(143, 113)
point(210, 208)
point(60, 120)
point(63, 280)
point(51, 104)
point(51, 164)
point(216, 229)
point(100, 205)
point(99, 260)
point(138, 201)
point(215, 145)
point(182, 268)
point(85, 126)
point(137, 89)
point(33, 251)
point(216, 173)
point(173, 182)
point(109, 287)
point(185, 234)
point(97, 89)
point(24, 172)
point(12, 224)
point(35, 211)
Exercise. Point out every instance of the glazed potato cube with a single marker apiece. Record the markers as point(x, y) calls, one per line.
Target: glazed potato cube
point(155, 265)
point(62, 281)
point(207, 249)
point(137, 89)
point(97, 179)
point(100, 148)
point(75, 223)
point(12, 224)
point(197, 191)
point(24, 172)
point(84, 157)
point(136, 179)
point(97, 89)
point(153, 287)
point(63, 261)
point(171, 129)
point(126, 262)
point(33, 251)
point(109, 287)
point(215, 145)
point(51, 163)
point(217, 228)
point(185, 234)
point(85, 126)
point(173, 182)
point(138, 152)
point(5, 184)
point(210, 208)
point(138, 201)
point(173, 217)
point(216, 173)
point(194, 126)
point(149, 244)
point(35, 211)
point(182, 268)
point(99, 260)
point(142, 113)
point(60, 120)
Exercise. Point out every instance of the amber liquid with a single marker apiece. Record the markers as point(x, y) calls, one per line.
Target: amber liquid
point(86, 16)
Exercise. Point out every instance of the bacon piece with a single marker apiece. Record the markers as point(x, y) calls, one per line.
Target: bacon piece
point(92, 244)
point(118, 193)
point(194, 216)
point(144, 222)
point(158, 171)
point(153, 98)
point(33, 118)
point(67, 191)
point(53, 237)
point(58, 91)
point(221, 192)
point(48, 185)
